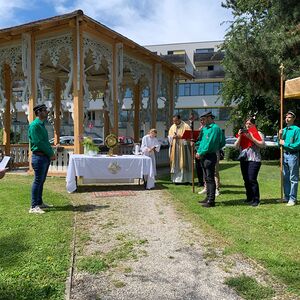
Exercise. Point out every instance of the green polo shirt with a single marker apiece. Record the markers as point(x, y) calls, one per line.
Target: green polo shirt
point(291, 137)
point(211, 138)
point(38, 137)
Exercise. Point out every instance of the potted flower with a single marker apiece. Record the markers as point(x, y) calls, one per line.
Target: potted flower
point(89, 146)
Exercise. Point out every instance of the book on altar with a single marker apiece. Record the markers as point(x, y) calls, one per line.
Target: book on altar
point(190, 135)
point(245, 142)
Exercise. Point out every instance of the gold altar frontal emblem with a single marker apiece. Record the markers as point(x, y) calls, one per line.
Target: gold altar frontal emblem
point(111, 141)
point(114, 167)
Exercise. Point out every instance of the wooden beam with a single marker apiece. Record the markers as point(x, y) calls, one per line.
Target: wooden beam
point(137, 103)
point(7, 116)
point(57, 102)
point(78, 87)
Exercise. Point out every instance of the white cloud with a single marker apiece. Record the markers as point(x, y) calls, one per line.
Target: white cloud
point(160, 21)
point(144, 21)
point(8, 9)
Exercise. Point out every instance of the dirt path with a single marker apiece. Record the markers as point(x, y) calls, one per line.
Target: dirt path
point(150, 251)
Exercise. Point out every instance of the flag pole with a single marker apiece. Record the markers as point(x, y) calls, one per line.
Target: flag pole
point(281, 126)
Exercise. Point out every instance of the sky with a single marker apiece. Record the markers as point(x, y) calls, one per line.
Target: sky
point(147, 22)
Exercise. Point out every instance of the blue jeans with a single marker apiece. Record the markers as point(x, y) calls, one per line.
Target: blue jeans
point(250, 171)
point(290, 176)
point(40, 165)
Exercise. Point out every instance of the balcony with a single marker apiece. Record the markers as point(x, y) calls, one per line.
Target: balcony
point(209, 74)
point(176, 59)
point(208, 57)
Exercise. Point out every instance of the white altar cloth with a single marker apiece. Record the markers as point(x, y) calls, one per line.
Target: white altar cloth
point(109, 167)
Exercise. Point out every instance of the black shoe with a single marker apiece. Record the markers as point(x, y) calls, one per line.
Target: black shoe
point(203, 201)
point(208, 204)
point(254, 203)
point(247, 201)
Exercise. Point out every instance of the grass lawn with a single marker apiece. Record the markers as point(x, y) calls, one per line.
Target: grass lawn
point(34, 249)
point(269, 233)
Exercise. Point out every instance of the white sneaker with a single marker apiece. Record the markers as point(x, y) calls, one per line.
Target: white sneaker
point(36, 210)
point(217, 193)
point(291, 203)
point(204, 191)
point(45, 205)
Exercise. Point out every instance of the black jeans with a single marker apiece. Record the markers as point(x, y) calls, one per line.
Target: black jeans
point(250, 171)
point(199, 171)
point(208, 162)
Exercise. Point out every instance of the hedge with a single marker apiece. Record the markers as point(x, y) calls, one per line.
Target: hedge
point(268, 153)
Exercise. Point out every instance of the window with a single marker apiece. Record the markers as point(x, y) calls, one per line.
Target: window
point(209, 88)
point(204, 50)
point(146, 92)
point(210, 68)
point(194, 89)
point(91, 115)
point(128, 93)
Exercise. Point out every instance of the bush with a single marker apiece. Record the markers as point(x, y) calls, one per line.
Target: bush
point(268, 153)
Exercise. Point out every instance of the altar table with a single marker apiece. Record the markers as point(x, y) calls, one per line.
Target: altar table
point(109, 168)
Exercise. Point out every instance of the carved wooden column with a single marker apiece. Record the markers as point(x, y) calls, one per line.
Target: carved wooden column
point(137, 104)
point(154, 97)
point(115, 90)
point(171, 93)
point(57, 102)
point(7, 116)
point(32, 96)
point(77, 85)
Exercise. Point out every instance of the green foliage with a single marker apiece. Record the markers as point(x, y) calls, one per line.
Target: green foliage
point(263, 35)
point(268, 153)
point(34, 249)
point(249, 288)
point(89, 144)
point(92, 264)
point(267, 233)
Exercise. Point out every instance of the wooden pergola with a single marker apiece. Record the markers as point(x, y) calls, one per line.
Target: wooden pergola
point(77, 58)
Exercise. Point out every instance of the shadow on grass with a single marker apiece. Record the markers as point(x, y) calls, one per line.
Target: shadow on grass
point(238, 202)
point(105, 188)
point(22, 289)
point(227, 165)
point(10, 248)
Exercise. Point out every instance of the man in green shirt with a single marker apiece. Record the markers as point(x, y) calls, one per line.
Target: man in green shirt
point(42, 154)
point(289, 139)
point(212, 139)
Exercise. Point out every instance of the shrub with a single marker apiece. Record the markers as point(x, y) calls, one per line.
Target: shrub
point(268, 153)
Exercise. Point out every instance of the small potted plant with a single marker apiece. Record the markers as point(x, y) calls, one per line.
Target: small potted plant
point(89, 146)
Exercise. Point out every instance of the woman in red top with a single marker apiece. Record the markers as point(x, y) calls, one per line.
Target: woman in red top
point(250, 141)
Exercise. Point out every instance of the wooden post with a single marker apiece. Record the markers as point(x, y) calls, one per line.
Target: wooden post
point(7, 116)
point(106, 123)
point(32, 96)
point(57, 100)
point(137, 102)
point(154, 96)
point(115, 97)
point(77, 85)
point(281, 126)
point(171, 93)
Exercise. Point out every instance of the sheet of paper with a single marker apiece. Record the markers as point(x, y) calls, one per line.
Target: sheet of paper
point(4, 162)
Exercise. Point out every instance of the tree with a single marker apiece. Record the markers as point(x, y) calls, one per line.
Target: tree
point(264, 34)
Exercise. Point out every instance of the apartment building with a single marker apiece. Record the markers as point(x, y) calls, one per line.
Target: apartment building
point(203, 61)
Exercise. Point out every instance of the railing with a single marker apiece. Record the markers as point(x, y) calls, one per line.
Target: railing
point(59, 166)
